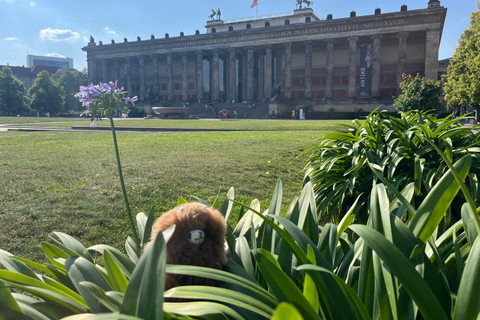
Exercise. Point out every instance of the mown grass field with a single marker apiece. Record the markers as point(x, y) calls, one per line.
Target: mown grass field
point(67, 180)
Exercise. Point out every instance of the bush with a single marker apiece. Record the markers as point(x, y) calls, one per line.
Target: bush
point(419, 94)
point(279, 265)
point(345, 165)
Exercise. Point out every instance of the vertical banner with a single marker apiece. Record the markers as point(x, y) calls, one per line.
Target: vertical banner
point(365, 62)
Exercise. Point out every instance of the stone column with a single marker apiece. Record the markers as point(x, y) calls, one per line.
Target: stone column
point(244, 77)
point(376, 65)
point(352, 67)
point(141, 61)
point(287, 90)
point(104, 70)
point(184, 77)
point(156, 77)
point(432, 44)
point(261, 77)
point(169, 77)
point(116, 70)
point(92, 64)
point(232, 75)
point(250, 67)
point(215, 76)
point(128, 76)
point(402, 57)
point(308, 70)
point(199, 75)
point(268, 71)
point(329, 80)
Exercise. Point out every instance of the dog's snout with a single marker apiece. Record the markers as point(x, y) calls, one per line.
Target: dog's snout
point(196, 236)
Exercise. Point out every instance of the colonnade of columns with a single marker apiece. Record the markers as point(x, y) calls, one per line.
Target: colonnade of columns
point(257, 68)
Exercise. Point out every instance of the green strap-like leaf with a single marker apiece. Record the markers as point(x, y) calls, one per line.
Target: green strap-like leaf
point(74, 245)
point(116, 277)
point(433, 207)
point(79, 270)
point(102, 316)
point(309, 289)
point(467, 304)
point(109, 302)
point(8, 306)
point(355, 303)
point(243, 251)
point(124, 262)
point(66, 298)
point(285, 311)
point(204, 310)
point(144, 294)
point(223, 276)
point(221, 295)
point(283, 287)
point(402, 269)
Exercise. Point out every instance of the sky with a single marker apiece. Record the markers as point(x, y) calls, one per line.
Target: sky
point(62, 28)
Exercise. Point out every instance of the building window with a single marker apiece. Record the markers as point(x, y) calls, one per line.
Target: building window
point(230, 28)
point(267, 23)
point(308, 19)
point(249, 26)
point(287, 21)
point(214, 30)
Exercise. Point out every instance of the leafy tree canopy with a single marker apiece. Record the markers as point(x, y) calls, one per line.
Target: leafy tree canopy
point(12, 99)
point(71, 80)
point(462, 81)
point(47, 95)
point(419, 94)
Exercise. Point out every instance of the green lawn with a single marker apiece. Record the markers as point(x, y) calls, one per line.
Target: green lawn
point(185, 123)
point(67, 180)
point(17, 120)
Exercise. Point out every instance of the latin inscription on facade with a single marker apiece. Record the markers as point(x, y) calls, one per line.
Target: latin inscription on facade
point(259, 36)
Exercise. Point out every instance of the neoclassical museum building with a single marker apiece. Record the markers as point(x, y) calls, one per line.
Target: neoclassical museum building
point(354, 62)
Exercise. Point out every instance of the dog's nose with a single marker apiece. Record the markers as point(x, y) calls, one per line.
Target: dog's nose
point(196, 236)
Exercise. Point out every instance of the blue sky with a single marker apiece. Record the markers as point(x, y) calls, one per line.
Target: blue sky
point(47, 27)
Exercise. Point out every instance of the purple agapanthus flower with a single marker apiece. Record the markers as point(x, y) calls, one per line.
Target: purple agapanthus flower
point(131, 100)
point(86, 112)
point(104, 97)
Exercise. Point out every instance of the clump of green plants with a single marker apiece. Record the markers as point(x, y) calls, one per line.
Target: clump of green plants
point(345, 165)
point(279, 266)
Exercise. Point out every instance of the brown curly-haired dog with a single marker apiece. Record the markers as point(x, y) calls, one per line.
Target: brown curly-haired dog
point(198, 240)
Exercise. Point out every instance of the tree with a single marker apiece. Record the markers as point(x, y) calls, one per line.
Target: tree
point(71, 80)
point(47, 95)
point(419, 94)
point(12, 99)
point(462, 81)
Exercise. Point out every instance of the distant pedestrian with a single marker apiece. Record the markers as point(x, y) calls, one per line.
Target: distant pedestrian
point(273, 114)
point(293, 114)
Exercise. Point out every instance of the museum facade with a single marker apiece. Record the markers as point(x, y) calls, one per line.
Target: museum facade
point(295, 57)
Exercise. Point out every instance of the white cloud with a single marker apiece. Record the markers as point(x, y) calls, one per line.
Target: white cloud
point(11, 39)
point(32, 3)
point(59, 35)
point(109, 31)
point(55, 55)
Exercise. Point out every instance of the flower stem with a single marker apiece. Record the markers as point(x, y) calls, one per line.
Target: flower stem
point(122, 183)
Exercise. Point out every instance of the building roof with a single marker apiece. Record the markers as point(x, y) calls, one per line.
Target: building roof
point(24, 72)
point(18, 71)
point(38, 68)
